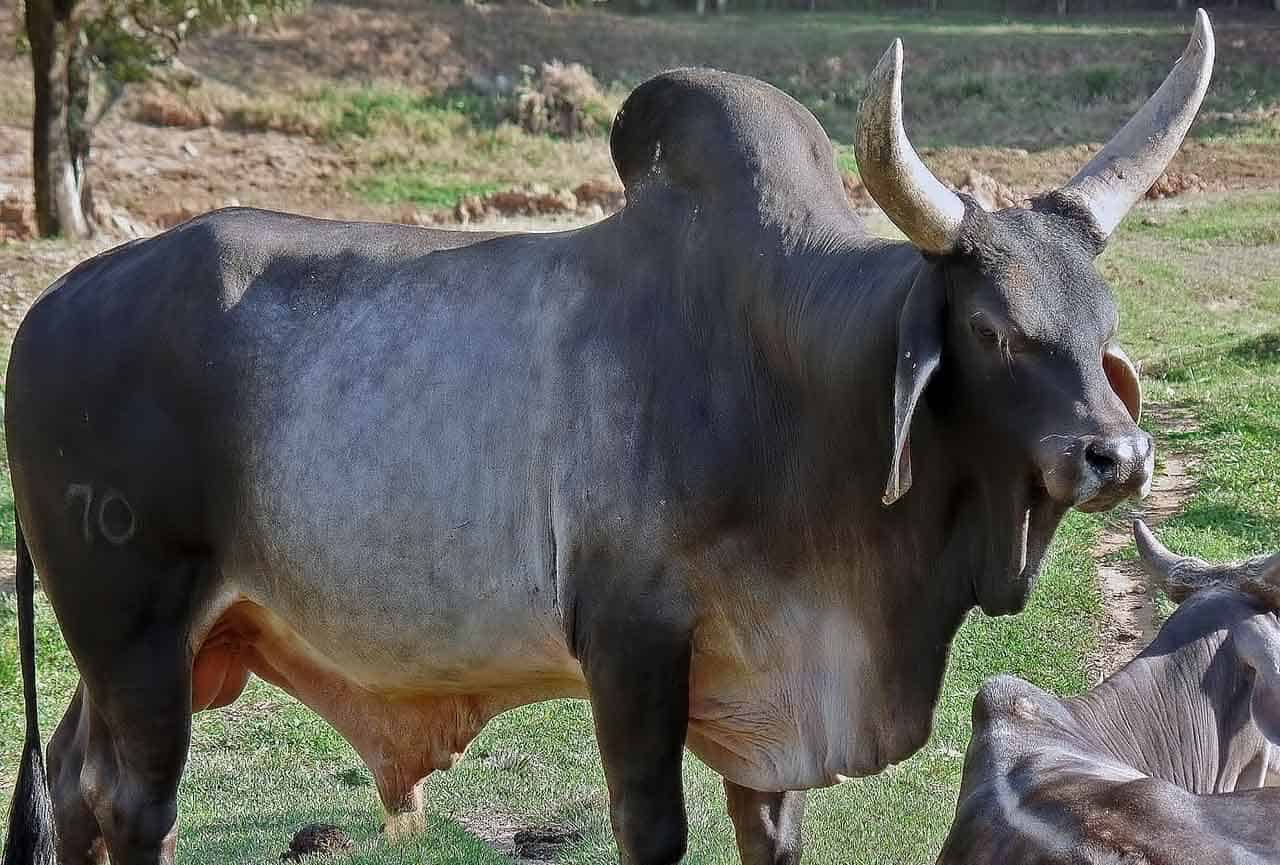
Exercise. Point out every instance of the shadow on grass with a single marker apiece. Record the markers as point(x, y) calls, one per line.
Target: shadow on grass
point(1260, 350)
point(1246, 527)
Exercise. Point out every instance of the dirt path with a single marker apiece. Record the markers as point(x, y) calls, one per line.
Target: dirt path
point(1128, 608)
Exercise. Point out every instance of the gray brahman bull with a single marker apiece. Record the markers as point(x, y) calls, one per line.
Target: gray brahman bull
point(416, 478)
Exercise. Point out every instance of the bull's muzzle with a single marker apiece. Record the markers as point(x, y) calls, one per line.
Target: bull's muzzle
point(1109, 469)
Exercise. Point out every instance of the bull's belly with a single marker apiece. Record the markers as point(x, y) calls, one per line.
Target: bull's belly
point(391, 639)
point(405, 715)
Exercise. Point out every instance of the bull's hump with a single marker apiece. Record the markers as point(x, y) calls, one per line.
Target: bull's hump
point(720, 135)
point(1006, 697)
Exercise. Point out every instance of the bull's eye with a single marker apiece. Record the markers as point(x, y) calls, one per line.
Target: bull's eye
point(986, 334)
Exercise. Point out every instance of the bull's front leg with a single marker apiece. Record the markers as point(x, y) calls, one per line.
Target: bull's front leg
point(767, 825)
point(635, 654)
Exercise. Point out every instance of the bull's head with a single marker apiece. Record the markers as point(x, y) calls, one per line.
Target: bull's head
point(1012, 312)
point(1257, 639)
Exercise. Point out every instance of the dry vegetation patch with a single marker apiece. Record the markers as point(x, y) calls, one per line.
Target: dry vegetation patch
point(563, 99)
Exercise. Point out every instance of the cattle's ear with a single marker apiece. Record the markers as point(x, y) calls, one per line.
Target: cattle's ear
point(920, 328)
point(1124, 380)
point(1258, 644)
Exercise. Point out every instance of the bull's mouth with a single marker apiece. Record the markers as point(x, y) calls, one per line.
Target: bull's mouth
point(1035, 523)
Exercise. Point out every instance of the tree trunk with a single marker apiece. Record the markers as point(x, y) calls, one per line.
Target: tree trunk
point(1062, 8)
point(933, 7)
point(58, 180)
point(79, 81)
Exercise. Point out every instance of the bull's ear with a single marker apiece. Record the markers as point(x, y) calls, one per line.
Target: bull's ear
point(1258, 644)
point(920, 329)
point(1124, 379)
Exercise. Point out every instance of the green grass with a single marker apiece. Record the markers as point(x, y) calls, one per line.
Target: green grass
point(369, 111)
point(1242, 221)
point(1205, 315)
point(420, 188)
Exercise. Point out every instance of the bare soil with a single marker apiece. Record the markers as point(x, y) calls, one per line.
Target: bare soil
point(1128, 602)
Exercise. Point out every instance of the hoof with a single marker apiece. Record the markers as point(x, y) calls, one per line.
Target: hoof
point(404, 825)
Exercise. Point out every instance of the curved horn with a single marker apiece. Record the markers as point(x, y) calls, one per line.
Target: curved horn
point(1179, 576)
point(1123, 171)
point(924, 210)
point(1182, 576)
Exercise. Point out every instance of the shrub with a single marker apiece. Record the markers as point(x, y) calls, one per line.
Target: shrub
point(561, 100)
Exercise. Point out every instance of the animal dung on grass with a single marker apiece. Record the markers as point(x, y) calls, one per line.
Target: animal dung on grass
point(317, 839)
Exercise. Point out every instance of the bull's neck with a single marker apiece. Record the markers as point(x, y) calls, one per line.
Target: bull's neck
point(806, 305)
point(1162, 714)
point(825, 314)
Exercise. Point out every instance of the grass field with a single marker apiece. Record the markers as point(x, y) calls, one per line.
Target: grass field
point(1201, 308)
point(1198, 281)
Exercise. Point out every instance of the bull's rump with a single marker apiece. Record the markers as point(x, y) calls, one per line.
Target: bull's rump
point(349, 421)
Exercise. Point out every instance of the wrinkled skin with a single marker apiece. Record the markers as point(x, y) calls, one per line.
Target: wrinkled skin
point(1169, 761)
point(416, 477)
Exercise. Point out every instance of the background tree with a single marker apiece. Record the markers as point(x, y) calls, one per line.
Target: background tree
point(77, 43)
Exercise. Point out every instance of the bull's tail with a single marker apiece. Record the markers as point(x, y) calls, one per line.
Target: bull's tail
point(30, 840)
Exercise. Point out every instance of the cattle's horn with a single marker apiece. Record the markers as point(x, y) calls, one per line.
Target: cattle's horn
point(924, 210)
point(1123, 171)
point(1182, 576)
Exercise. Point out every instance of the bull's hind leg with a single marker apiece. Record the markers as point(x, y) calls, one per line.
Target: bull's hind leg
point(137, 747)
point(80, 840)
point(138, 731)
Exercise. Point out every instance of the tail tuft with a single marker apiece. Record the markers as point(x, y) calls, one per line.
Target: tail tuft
point(30, 840)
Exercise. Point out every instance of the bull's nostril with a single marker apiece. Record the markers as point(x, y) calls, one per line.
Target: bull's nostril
point(1101, 458)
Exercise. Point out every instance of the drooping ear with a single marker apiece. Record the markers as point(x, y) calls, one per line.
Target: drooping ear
point(920, 328)
point(1258, 644)
point(1124, 380)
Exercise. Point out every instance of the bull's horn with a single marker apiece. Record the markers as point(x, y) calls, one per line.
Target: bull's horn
point(1182, 576)
point(1179, 576)
point(1123, 171)
point(924, 210)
